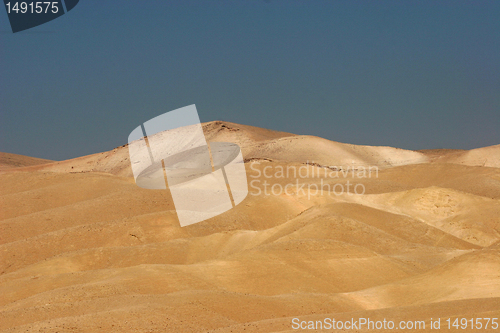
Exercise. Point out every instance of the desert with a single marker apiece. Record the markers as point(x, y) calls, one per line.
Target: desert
point(83, 249)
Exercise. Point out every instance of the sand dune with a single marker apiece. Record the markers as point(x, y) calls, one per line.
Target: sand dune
point(487, 156)
point(8, 161)
point(83, 249)
point(256, 143)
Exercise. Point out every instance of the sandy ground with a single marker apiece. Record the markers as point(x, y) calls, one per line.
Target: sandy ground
point(83, 249)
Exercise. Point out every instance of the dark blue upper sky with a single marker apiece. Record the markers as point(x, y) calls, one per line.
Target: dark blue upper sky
point(408, 74)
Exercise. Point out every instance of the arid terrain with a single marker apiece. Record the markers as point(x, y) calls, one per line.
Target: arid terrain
point(83, 249)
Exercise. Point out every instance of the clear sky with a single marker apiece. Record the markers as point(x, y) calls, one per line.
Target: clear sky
point(408, 74)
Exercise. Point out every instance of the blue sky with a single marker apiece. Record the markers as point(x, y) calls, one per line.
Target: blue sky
point(407, 74)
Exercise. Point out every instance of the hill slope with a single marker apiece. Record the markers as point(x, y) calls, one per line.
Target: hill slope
point(83, 249)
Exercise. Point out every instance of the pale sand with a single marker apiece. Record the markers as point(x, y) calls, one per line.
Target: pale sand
point(83, 249)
